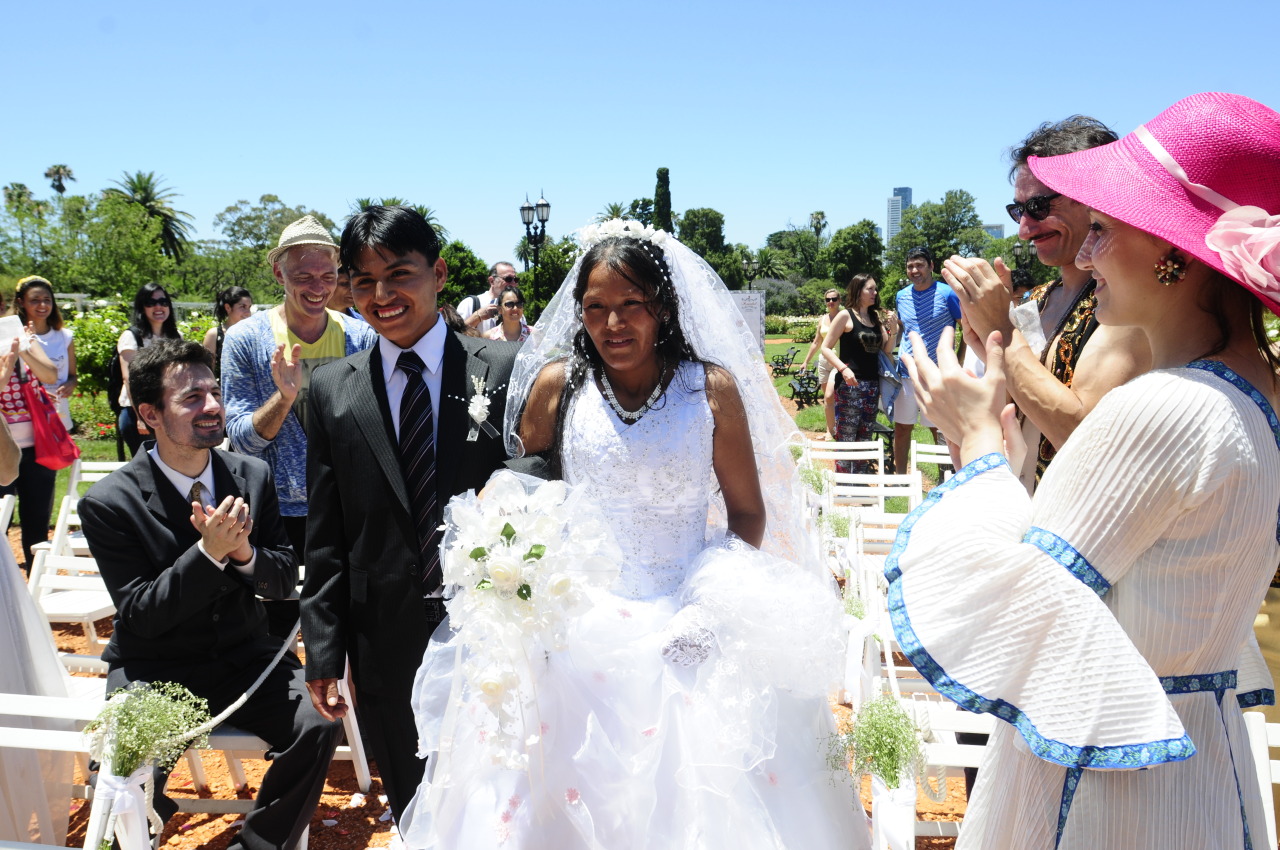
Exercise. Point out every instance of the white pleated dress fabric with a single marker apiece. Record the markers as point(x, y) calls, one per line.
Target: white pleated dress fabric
point(635, 753)
point(1144, 555)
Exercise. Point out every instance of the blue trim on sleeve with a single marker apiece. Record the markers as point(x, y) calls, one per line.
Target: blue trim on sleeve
point(1122, 756)
point(1069, 784)
point(1253, 699)
point(1226, 373)
point(1068, 556)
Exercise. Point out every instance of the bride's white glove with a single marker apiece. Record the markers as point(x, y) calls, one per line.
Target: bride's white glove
point(689, 642)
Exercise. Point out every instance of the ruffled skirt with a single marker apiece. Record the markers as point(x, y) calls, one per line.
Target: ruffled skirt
point(628, 751)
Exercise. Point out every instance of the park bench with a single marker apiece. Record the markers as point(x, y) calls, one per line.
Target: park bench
point(782, 363)
point(805, 389)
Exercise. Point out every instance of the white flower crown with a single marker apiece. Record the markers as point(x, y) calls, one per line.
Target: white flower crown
point(596, 233)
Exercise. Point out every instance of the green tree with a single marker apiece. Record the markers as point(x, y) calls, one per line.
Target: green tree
point(120, 254)
point(662, 202)
point(1004, 248)
point(641, 210)
point(58, 175)
point(771, 264)
point(468, 274)
point(145, 190)
point(853, 250)
point(950, 227)
point(798, 252)
point(555, 261)
point(19, 203)
point(258, 226)
point(818, 224)
point(702, 231)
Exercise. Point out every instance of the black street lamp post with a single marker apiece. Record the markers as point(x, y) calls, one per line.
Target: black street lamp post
point(749, 267)
point(1023, 251)
point(535, 234)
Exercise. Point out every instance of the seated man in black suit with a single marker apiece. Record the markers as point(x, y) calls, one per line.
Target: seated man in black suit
point(185, 536)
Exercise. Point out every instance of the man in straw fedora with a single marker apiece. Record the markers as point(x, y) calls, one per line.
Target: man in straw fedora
point(267, 361)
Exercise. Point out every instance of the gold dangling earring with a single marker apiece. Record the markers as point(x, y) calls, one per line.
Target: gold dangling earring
point(1171, 268)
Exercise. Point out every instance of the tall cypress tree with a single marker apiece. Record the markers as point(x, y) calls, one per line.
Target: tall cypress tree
point(662, 202)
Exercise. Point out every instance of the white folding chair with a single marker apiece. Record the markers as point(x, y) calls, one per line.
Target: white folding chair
point(871, 450)
point(930, 453)
point(87, 472)
point(78, 596)
point(850, 488)
point(1262, 737)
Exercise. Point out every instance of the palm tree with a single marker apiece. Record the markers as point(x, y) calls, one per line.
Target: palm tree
point(612, 211)
point(771, 264)
point(442, 232)
point(57, 175)
point(17, 198)
point(144, 189)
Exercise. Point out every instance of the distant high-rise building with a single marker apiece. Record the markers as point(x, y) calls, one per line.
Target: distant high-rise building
point(995, 231)
point(900, 201)
point(894, 223)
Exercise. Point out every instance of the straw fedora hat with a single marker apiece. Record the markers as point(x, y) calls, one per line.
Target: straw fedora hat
point(1203, 175)
point(305, 231)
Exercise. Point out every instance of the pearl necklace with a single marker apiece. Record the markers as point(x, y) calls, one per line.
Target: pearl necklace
point(628, 415)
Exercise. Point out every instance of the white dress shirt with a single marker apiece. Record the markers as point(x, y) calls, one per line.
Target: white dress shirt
point(430, 347)
point(182, 483)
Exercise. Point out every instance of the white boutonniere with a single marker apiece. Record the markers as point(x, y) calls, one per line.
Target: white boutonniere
point(478, 410)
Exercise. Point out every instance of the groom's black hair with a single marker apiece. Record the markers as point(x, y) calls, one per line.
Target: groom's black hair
point(398, 230)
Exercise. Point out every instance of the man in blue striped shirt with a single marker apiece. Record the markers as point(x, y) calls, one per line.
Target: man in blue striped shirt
point(926, 307)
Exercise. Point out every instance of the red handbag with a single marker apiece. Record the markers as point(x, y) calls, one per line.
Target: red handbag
point(54, 447)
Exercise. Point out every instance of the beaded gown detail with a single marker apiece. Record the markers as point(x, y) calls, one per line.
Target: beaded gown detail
point(636, 752)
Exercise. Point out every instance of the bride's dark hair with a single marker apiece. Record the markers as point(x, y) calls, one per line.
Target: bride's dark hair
point(640, 262)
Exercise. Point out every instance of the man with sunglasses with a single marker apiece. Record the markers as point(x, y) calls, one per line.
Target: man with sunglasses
point(1054, 386)
point(480, 312)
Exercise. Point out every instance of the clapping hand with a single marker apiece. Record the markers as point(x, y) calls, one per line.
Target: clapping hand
point(224, 529)
point(8, 360)
point(287, 371)
point(984, 292)
point(974, 412)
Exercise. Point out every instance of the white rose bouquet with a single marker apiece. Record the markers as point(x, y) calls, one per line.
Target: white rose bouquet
point(521, 556)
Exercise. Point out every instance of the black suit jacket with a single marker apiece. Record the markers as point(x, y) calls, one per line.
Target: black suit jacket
point(177, 613)
point(362, 596)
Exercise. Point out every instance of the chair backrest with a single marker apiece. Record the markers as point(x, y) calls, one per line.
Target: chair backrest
point(929, 453)
point(835, 451)
point(87, 472)
point(851, 488)
point(1262, 737)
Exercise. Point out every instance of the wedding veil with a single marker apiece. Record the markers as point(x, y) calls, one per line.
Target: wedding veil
point(717, 332)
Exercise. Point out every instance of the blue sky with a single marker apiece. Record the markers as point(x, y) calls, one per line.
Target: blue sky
point(764, 111)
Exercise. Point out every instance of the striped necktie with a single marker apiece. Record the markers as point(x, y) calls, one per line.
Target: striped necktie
point(418, 456)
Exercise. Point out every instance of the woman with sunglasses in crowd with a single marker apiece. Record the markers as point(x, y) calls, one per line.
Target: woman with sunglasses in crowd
point(511, 310)
point(234, 304)
point(851, 350)
point(832, 299)
point(152, 319)
point(1108, 618)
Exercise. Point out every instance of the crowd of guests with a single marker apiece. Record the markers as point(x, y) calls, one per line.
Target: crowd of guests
point(1117, 422)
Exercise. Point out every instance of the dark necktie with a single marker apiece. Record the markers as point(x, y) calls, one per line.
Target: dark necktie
point(418, 455)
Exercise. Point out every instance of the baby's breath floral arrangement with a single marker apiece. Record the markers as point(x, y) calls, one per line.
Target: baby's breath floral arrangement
point(141, 725)
point(882, 740)
point(523, 555)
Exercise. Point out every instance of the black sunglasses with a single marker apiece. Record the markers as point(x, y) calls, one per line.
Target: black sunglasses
point(159, 302)
point(832, 300)
point(1037, 207)
point(509, 278)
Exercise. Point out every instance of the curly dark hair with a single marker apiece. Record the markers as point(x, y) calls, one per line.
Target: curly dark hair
point(1054, 138)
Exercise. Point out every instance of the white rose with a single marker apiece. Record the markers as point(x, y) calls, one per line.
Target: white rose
point(492, 683)
point(505, 491)
point(559, 584)
point(504, 571)
point(550, 494)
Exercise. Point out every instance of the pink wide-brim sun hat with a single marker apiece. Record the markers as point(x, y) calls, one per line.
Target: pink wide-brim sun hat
point(1227, 150)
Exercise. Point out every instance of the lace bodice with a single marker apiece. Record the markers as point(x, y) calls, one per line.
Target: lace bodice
point(652, 478)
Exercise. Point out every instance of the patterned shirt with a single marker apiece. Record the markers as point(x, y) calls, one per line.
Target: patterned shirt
point(927, 313)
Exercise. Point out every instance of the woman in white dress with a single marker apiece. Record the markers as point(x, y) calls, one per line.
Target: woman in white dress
point(1108, 619)
point(688, 708)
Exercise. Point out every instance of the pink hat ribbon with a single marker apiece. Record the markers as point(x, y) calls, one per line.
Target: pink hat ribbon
point(1247, 239)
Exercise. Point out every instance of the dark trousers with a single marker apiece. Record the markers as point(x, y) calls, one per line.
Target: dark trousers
point(302, 744)
point(389, 731)
point(34, 489)
point(127, 425)
point(282, 614)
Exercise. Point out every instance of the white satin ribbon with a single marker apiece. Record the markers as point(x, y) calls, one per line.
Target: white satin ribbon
point(1247, 239)
point(128, 804)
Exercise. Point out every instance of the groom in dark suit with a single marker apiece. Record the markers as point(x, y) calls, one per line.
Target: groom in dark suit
point(389, 442)
point(187, 538)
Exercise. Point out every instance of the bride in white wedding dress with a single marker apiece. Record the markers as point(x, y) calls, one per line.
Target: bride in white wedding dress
point(688, 706)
